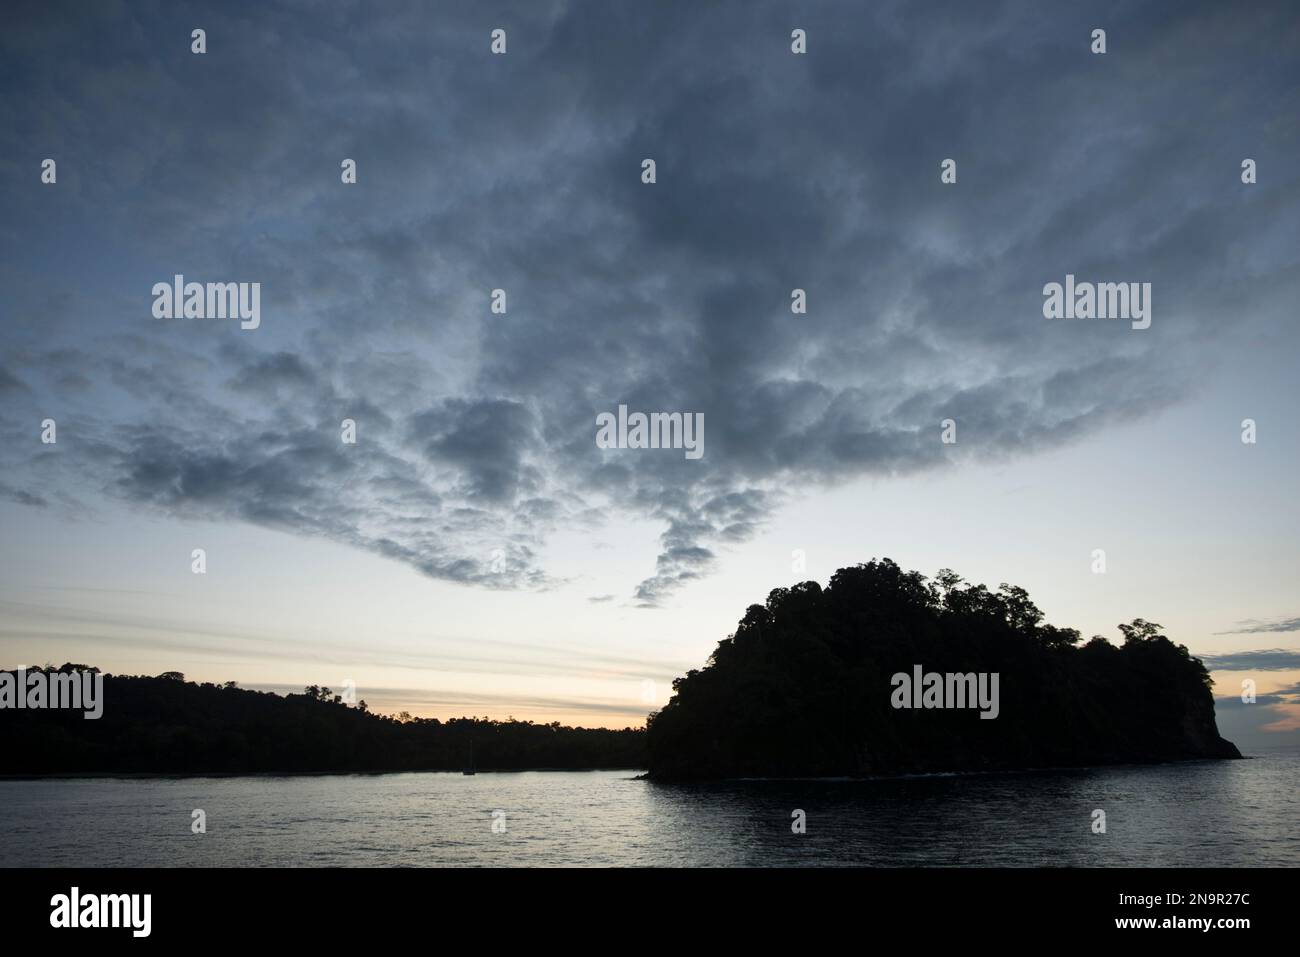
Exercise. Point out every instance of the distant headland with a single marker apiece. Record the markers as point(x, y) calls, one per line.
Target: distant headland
point(167, 725)
point(884, 671)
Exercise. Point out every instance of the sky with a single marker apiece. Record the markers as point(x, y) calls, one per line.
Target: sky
point(475, 551)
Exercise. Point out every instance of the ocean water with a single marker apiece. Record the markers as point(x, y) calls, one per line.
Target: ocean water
point(1211, 813)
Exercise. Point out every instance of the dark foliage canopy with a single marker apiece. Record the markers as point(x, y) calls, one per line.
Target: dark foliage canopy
point(803, 687)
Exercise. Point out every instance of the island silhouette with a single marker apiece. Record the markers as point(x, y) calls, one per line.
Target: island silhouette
point(881, 672)
point(886, 672)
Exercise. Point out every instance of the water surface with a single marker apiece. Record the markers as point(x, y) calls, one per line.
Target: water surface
point(1211, 813)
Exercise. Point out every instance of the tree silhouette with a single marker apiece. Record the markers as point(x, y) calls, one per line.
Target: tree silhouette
point(168, 725)
point(803, 686)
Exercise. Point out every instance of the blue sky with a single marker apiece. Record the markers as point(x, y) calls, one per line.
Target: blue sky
point(474, 551)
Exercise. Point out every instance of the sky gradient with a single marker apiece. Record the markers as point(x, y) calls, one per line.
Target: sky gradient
point(475, 552)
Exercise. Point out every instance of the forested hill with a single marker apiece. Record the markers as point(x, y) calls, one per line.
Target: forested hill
point(168, 725)
point(821, 681)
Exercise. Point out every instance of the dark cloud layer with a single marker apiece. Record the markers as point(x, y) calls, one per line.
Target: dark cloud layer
point(1255, 627)
point(1272, 659)
point(476, 431)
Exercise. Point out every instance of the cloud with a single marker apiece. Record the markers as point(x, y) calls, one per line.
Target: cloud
point(172, 637)
point(1280, 697)
point(1273, 659)
point(476, 430)
point(596, 712)
point(268, 374)
point(487, 442)
point(1269, 721)
point(10, 382)
point(1253, 626)
point(22, 496)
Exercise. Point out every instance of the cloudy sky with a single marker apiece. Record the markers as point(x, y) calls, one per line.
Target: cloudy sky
point(475, 552)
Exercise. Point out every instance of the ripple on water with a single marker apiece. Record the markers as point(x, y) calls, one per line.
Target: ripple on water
point(1243, 813)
